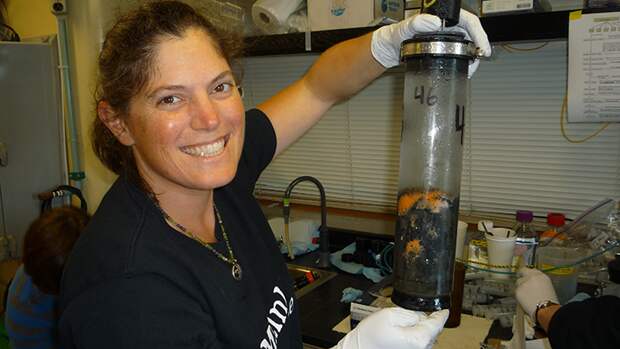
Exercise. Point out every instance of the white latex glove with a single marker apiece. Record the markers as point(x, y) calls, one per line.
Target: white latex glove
point(386, 40)
point(395, 328)
point(534, 287)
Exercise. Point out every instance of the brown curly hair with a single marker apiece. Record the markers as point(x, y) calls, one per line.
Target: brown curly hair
point(126, 66)
point(47, 245)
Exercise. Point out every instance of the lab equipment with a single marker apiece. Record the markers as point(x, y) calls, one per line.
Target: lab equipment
point(458, 281)
point(501, 248)
point(527, 238)
point(558, 264)
point(435, 108)
point(456, 295)
point(592, 226)
point(555, 221)
point(448, 10)
point(461, 236)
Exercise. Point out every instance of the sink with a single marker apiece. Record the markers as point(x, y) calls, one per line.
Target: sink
point(306, 279)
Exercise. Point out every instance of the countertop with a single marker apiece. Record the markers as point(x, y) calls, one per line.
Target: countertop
point(321, 310)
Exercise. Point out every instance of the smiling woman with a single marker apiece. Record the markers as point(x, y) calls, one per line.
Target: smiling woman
point(126, 73)
point(185, 126)
point(179, 248)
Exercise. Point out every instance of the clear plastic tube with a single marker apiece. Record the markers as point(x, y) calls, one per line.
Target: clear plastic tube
point(435, 109)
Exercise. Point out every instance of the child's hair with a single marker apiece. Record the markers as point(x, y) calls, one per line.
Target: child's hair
point(47, 245)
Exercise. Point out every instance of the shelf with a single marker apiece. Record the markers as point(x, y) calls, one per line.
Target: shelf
point(527, 27)
point(284, 44)
point(520, 27)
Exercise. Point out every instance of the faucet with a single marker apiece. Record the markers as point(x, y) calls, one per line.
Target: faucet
point(323, 233)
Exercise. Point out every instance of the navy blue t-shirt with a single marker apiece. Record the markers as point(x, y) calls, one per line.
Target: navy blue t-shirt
point(134, 282)
point(592, 323)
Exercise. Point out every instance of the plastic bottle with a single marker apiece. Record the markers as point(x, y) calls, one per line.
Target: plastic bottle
point(527, 238)
point(552, 236)
point(477, 247)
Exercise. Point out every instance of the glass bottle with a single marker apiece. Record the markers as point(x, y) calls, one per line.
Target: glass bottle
point(527, 238)
point(456, 296)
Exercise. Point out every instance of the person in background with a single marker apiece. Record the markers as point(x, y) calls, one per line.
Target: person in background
point(31, 304)
point(591, 323)
point(179, 253)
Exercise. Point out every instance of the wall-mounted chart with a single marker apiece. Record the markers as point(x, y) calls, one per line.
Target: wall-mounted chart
point(594, 67)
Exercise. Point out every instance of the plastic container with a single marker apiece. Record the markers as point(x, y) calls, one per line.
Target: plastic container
point(461, 238)
point(527, 238)
point(501, 249)
point(557, 262)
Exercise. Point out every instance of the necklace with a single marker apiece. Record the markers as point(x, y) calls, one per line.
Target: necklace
point(236, 267)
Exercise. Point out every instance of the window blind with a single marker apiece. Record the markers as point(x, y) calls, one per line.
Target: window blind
point(515, 156)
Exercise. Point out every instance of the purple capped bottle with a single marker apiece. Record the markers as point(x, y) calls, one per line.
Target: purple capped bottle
point(527, 238)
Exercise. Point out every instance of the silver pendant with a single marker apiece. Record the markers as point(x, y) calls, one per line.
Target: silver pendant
point(236, 271)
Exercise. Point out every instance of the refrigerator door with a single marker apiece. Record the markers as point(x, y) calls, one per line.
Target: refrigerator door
point(31, 131)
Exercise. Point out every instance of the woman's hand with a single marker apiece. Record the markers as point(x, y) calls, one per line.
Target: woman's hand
point(386, 40)
point(395, 328)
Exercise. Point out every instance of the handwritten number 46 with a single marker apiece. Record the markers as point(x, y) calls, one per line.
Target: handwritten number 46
point(419, 94)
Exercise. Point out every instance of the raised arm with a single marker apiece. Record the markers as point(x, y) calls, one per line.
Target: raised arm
point(338, 73)
point(347, 67)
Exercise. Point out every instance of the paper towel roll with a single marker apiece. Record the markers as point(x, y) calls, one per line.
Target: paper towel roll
point(270, 15)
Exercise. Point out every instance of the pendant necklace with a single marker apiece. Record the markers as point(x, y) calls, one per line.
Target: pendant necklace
point(236, 267)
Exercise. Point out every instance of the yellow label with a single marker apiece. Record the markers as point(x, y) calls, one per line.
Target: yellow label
point(564, 271)
point(575, 15)
point(480, 243)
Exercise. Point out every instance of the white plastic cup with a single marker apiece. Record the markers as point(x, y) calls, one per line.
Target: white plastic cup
point(500, 247)
point(461, 233)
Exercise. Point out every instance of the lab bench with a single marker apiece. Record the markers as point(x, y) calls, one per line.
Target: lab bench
point(321, 310)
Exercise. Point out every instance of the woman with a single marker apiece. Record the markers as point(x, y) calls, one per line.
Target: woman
point(591, 323)
point(179, 253)
point(31, 303)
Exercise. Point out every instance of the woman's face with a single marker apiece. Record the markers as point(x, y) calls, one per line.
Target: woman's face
point(186, 127)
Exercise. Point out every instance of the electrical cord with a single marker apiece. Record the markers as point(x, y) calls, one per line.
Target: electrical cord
point(513, 49)
point(563, 113)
